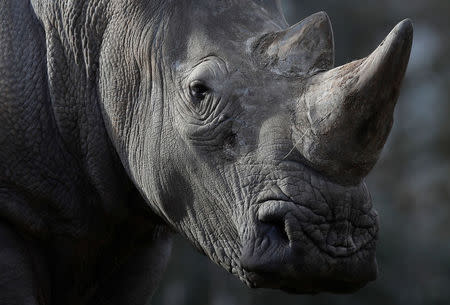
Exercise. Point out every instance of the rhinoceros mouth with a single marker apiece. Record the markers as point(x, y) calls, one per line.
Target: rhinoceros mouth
point(313, 280)
point(309, 286)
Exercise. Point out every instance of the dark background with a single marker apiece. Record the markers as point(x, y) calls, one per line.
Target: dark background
point(410, 184)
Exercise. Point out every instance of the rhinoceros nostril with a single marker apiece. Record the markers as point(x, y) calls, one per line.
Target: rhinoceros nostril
point(276, 230)
point(274, 222)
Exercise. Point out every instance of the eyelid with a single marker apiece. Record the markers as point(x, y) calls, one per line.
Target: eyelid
point(199, 82)
point(211, 67)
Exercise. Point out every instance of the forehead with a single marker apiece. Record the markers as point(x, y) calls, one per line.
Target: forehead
point(217, 7)
point(236, 19)
point(223, 28)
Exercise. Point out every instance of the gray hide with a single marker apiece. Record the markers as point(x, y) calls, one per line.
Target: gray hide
point(125, 121)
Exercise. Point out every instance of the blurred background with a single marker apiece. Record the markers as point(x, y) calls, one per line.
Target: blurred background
point(410, 185)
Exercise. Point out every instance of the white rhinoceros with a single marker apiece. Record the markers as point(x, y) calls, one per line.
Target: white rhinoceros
point(125, 121)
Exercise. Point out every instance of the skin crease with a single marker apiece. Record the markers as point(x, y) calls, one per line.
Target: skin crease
point(124, 122)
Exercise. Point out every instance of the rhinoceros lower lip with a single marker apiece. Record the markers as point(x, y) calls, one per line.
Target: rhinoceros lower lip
point(321, 274)
point(341, 279)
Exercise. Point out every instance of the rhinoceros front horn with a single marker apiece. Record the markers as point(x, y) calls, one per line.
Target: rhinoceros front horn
point(345, 114)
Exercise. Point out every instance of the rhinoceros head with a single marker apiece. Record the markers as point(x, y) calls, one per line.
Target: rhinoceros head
point(242, 136)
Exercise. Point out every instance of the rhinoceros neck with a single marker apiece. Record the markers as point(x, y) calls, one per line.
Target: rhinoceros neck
point(72, 46)
point(73, 170)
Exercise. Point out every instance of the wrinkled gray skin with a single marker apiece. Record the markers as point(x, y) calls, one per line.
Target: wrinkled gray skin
point(123, 121)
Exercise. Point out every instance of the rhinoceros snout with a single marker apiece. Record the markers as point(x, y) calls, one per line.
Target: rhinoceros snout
point(303, 250)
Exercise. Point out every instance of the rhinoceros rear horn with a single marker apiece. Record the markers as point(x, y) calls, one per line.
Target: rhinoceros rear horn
point(350, 108)
point(302, 48)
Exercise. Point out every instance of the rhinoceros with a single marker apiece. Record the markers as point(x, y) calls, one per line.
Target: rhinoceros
point(124, 122)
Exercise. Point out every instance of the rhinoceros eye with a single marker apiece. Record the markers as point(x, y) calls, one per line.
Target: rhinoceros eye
point(198, 90)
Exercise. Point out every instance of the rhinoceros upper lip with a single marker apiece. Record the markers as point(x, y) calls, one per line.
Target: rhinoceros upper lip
point(310, 222)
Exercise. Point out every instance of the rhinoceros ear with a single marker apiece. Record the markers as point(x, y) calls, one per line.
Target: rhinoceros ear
point(303, 47)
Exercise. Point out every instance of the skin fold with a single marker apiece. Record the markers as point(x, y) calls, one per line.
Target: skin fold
point(125, 122)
